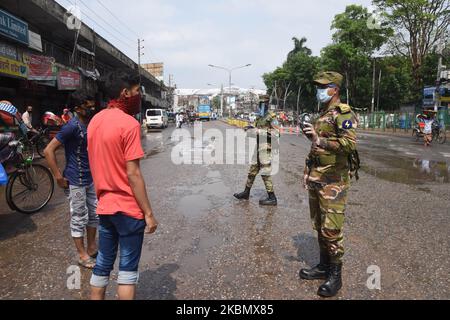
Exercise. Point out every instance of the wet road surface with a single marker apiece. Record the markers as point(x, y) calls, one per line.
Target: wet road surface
point(210, 246)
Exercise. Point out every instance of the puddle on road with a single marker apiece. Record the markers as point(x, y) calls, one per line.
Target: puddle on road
point(194, 206)
point(409, 171)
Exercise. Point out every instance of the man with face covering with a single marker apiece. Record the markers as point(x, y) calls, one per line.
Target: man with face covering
point(115, 151)
point(327, 177)
point(77, 179)
point(266, 129)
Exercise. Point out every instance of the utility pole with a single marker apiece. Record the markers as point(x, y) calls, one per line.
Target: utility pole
point(379, 89)
point(140, 54)
point(298, 100)
point(373, 84)
point(170, 96)
point(141, 116)
point(438, 81)
point(221, 101)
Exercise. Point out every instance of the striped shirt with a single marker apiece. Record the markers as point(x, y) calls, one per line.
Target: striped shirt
point(9, 108)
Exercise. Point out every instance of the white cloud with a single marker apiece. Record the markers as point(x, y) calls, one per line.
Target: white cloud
point(187, 36)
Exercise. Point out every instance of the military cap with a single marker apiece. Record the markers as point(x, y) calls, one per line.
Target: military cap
point(329, 77)
point(264, 98)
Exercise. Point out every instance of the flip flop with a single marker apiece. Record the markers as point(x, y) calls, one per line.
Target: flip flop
point(88, 264)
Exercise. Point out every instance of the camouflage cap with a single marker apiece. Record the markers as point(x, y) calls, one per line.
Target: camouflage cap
point(329, 77)
point(264, 98)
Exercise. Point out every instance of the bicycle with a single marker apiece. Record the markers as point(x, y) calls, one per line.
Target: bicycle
point(30, 186)
point(439, 133)
point(37, 142)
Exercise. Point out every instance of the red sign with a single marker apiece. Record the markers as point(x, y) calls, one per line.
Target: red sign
point(40, 68)
point(68, 80)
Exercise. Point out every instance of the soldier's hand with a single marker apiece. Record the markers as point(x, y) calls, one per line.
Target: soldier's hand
point(311, 133)
point(305, 181)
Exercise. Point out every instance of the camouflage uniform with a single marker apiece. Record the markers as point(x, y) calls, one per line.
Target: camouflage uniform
point(264, 131)
point(329, 178)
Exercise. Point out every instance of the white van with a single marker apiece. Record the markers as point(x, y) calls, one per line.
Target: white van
point(157, 118)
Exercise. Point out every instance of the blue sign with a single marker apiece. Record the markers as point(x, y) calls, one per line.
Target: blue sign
point(347, 125)
point(13, 28)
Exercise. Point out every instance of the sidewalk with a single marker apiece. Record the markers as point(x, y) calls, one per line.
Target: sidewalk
point(391, 132)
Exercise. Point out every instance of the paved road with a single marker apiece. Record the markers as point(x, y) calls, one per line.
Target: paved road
point(210, 246)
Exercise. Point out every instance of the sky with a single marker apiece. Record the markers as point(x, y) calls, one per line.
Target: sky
point(189, 35)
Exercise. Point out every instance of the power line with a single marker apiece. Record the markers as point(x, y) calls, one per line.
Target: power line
point(124, 24)
point(107, 23)
point(103, 28)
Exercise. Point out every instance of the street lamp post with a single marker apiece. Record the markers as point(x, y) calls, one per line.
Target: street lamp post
point(230, 72)
point(221, 98)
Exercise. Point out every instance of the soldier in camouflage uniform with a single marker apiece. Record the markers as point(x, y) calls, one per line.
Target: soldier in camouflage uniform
point(327, 178)
point(265, 130)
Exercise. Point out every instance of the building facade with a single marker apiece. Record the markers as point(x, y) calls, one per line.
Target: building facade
point(45, 56)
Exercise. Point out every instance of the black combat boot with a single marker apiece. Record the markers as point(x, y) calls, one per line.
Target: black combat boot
point(243, 195)
point(270, 201)
point(334, 282)
point(319, 272)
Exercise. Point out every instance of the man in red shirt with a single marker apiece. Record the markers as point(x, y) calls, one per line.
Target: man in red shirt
point(115, 150)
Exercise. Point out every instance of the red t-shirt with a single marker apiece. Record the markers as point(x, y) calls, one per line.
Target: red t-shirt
point(114, 138)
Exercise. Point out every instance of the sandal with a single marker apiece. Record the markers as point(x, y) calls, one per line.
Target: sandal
point(94, 256)
point(88, 264)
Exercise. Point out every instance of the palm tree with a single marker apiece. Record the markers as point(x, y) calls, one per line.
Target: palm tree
point(299, 46)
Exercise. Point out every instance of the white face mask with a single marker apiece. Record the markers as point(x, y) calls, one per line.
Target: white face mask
point(323, 96)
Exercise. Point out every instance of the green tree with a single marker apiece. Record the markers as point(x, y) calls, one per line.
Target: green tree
point(419, 26)
point(291, 85)
point(354, 45)
point(299, 47)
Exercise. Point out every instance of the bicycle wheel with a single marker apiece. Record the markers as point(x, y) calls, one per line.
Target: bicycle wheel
point(41, 144)
point(417, 137)
point(442, 137)
point(31, 189)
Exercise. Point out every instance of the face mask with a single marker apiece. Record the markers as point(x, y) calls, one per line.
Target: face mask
point(132, 105)
point(90, 113)
point(322, 95)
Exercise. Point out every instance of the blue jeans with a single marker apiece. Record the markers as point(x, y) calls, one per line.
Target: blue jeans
point(126, 233)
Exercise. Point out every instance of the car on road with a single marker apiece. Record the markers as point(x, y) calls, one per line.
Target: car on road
point(157, 118)
point(171, 116)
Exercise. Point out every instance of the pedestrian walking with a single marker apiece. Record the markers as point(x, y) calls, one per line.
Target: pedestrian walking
point(266, 129)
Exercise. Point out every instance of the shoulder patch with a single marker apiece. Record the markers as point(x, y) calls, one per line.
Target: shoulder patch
point(344, 108)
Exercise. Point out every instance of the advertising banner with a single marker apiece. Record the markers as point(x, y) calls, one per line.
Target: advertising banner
point(68, 80)
point(40, 68)
point(13, 68)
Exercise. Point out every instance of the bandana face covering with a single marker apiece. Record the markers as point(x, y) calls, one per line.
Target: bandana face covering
point(131, 105)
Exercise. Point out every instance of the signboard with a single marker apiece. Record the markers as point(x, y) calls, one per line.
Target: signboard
point(13, 68)
point(8, 51)
point(40, 68)
point(35, 41)
point(68, 80)
point(13, 28)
